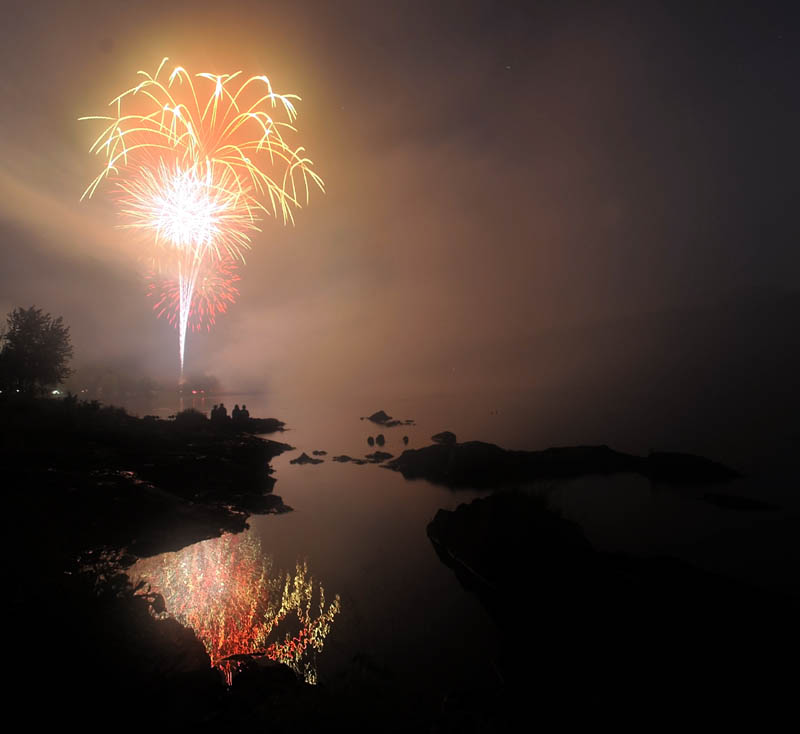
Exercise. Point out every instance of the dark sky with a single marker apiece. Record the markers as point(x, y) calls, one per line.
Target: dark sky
point(502, 180)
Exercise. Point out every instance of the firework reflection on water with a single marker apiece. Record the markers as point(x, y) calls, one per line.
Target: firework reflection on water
point(227, 591)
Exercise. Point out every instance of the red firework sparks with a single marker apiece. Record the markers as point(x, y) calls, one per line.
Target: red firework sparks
point(214, 292)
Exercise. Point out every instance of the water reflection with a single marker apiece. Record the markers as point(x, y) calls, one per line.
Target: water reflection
point(226, 590)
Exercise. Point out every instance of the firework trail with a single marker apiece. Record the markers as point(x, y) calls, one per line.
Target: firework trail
point(197, 163)
point(214, 292)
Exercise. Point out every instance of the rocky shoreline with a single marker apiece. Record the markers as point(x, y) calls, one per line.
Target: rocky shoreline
point(88, 490)
point(91, 489)
point(141, 484)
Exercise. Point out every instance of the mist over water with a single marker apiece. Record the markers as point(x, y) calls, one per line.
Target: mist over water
point(544, 224)
point(362, 528)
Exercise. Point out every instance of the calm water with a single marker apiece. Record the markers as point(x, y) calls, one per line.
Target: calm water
point(361, 529)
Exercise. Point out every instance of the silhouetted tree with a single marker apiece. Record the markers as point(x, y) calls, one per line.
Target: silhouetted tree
point(35, 350)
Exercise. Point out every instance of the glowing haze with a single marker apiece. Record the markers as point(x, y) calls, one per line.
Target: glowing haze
point(591, 201)
point(197, 165)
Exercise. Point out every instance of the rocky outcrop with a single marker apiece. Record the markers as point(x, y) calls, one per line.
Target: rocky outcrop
point(479, 464)
point(260, 425)
point(610, 623)
point(447, 438)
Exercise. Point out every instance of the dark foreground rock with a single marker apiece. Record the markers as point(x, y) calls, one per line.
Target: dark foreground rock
point(376, 457)
point(736, 502)
point(479, 464)
point(607, 633)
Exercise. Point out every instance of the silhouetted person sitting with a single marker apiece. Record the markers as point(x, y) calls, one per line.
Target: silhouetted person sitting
point(236, 414)
point(245, 413)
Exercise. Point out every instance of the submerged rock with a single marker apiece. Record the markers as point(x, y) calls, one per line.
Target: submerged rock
point(378, 456)
point(445, 437)
point(320, 453)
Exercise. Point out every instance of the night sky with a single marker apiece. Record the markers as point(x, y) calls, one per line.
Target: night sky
point(593, 198)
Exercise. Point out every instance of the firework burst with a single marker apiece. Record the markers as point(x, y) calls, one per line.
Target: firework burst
point(197, 162)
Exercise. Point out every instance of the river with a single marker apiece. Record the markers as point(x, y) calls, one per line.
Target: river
point(361, 529)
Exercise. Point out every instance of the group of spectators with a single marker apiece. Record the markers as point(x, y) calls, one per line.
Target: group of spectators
point(220, 413)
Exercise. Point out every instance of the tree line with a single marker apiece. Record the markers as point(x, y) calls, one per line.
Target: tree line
point(35, 352)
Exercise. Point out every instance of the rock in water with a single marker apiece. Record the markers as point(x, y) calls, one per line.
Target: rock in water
point(380, 417)
point(344, 458)
point(446, 438)
point(479, 464)
point(304, 458)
